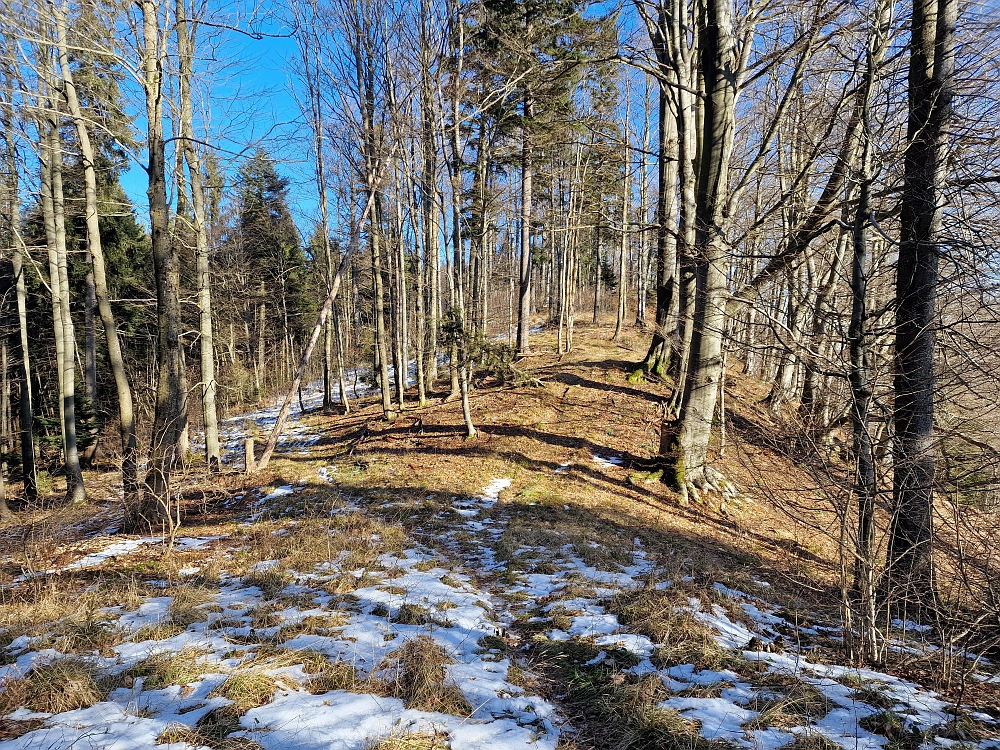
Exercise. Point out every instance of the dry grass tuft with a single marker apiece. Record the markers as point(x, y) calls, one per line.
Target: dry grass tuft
point(800, 703)
point(270, 581)
point(61, 685)
point(810, 740)
point(616, 711)
point(247, 690)
point(187, 605)
point(325, 625)
point(11, 729)
point(158, 631)
point(160, 670)
point(339, 676)
point(212, 730)
point(90, 634)
point(681, 639)
point(418, 741)
point(419, 673)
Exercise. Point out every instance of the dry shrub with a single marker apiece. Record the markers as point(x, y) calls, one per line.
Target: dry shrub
point(60, 685)
point(419, 678)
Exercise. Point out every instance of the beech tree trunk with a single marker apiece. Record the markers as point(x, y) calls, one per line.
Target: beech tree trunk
point(688, 449)
point(910, 564)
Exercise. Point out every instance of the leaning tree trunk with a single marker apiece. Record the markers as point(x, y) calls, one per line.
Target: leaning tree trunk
point(688, 448)
point(910, 565)
point(126, 411)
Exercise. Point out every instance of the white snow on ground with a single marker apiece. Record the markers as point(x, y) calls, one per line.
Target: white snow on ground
point(458, 618)
point(458, 612)
point(120, 549)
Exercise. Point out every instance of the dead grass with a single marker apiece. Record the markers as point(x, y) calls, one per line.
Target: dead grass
point(339, 676)
point(187, 605)
point(418, 678)
point(247, 689)
point(212, 730)
point(61, 685)
point(417, 741)
point(609, 708)
point(797, 706)
point(812, 740)
point(160, 670)
point(679, 637)
point(269, 580)
point(11, 729)
point(326, 625)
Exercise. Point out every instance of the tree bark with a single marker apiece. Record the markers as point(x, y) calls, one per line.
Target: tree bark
point(688, 450)
point(206, 338)
point(524, 295)
point(910, 565)
point(170, 418)
point(123, 388)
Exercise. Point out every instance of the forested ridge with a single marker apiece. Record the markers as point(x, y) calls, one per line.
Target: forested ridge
point(665, 331)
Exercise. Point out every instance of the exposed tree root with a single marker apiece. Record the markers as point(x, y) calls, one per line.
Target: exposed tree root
point(699, 485)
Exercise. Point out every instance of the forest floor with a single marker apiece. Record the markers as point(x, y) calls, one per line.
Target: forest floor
point(395, 585)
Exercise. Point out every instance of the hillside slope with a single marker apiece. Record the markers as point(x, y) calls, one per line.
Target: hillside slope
point(398, 586)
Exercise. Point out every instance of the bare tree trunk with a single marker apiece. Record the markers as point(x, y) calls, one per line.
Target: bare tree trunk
point(53, 206)
point(428, 189)
point(910, 572)
point(126, 412)
point(623, 247)
point(206, 338)
point(25, 412)
point(524, 298)
point(661, 348)
point(170, 418)
point(642, 275)
point(688, 449)
point(324, 313)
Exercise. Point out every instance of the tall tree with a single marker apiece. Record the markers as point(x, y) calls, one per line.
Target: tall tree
point(910, 574)
point(688, 447)
point(95, 247)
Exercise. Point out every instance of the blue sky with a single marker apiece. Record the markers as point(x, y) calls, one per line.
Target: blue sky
point(245, 87)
